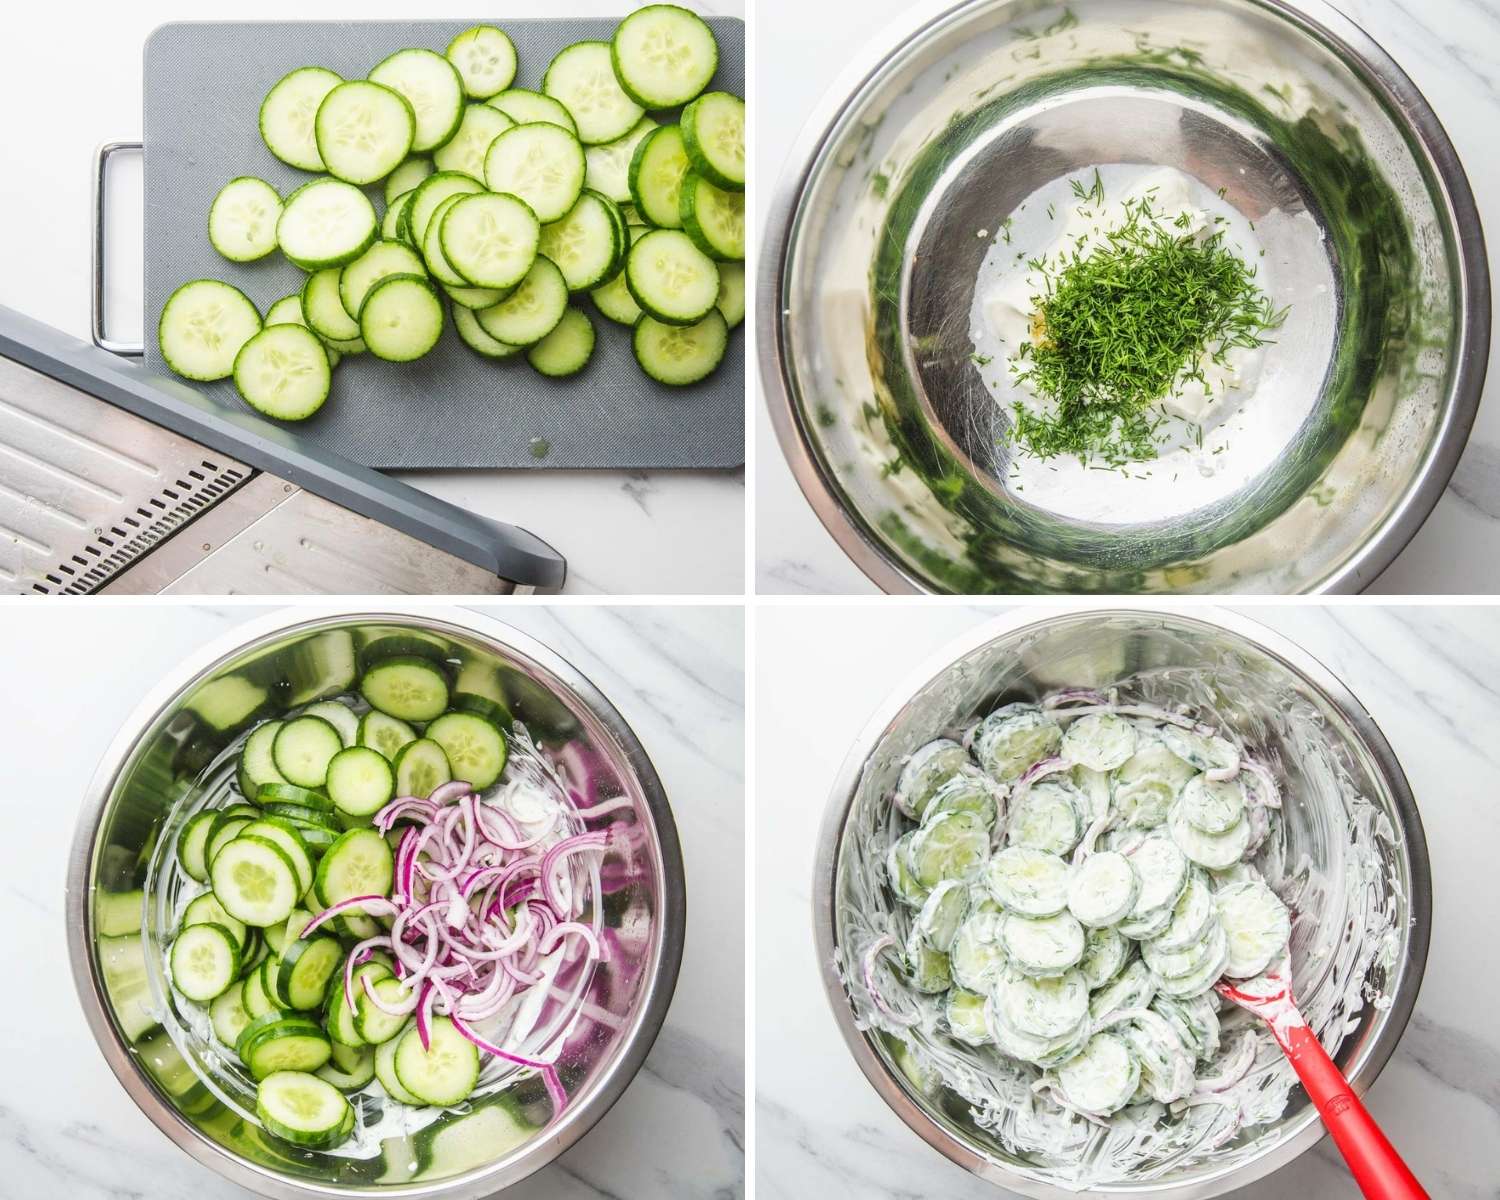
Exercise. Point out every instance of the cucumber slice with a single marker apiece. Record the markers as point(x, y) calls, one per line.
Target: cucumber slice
point(406, 687)
point(432, 247)
point(380, 261)
point(205, 960)
point(324, 311)
point(1213, 806)
point(242, 219)
point(339, 715)
point(376, 1025)
point(1104, 954)
point(713, 133)
point(1103, 889)
point(421, 766)
point(1210, 966)
point(472, 334)
point(383, 732)
point(1190, 916)
point(1033, 883)
point(613, 299)
point(204, 325)
point(307, 964)
point(288, 116)
point(385, 1071)
point(925, 770)
point(941, 913)
point(1195, 1021)
point(587, 243)
point(1099, 741)
point(533, 310)
point(1013, 737)
point(671, 279)
point(1163, 872)
point(731, 300)
point(445, 1072)
point(953, 846)
point(541, 164)
point(206, 910)
point(433, 88)
point(664, 55)
point(283, 372)
point(567, 349)
point(1205, 753)
point(965, 1013)
point(338, 1016)
point(406, 177)
point(1103, 1078)
point(364, 131)
point(474, 298)
point(288, 311)
point(715, 219)
point(192, 845)
point(360, 863)
point(1257, 924)
point(326, 223)
point(1043, 946)
point(582, 78)
point(607, 166)
point(255, 881)
point(303, 749)
point(223, 831)
point(927, 970)
point(678, 355)
point(401, 318)
point(969, 791)
point(430, 194)
point(390, 224)
point(284, 834)
point(657, 171)
point(465, 151)
point(490, 240)
point(253, 997)
point(228, 1016)
point(1173, 964)
point(1047, 816)
point(527, 107)
point(475, 748)
point(978, 958)
point(1132, 988)
point(1044, 1008)
point(360, 781)
point(1043, 1052)
point(349, 1069)
point(1216, 851)
point(898, 872)
point(303, 1109)
point(288, 795)
point(485, 58)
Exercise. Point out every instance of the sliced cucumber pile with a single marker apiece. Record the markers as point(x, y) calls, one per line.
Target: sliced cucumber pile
point(1075, 878)
point(559, 184)
point(294, 838)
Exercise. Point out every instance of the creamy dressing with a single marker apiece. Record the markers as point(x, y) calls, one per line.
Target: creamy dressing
point(1213, 431)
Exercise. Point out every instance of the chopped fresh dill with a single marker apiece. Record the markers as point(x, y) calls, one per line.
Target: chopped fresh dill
point(1051, 212)
point(1121, 326)
point(982, 360)
point(1005, 229)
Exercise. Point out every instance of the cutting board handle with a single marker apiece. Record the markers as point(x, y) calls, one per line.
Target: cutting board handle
point(102, 339)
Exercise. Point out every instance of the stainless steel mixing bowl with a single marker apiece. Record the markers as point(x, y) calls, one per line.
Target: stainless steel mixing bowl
point(1288, 707)
point(118, 918)
point(1311, 130)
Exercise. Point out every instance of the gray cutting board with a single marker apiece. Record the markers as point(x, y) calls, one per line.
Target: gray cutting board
point(204, 85)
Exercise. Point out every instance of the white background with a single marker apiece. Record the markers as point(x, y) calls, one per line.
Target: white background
point(72, 79)
point(1426, 675)
point(1451, 48)
point(67, 1128)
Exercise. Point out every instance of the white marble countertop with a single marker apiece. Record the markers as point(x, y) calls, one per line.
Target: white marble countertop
point(622, 532)
point(67, 1128)
point(1450, 48)
point(1426, 675)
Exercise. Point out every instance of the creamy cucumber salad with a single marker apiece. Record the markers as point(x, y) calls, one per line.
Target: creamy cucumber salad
point(1072, 879)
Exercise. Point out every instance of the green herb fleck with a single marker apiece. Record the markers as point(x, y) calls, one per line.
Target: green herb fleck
point(981, 360)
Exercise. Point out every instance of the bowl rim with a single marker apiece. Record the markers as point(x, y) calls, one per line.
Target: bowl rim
point(1308, 1129)
point(1316, 18)
point(662, 970)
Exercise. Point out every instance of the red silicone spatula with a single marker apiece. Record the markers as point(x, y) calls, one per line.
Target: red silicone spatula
point(1376, 1166)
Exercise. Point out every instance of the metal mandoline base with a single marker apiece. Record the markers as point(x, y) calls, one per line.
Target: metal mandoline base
point(99, 494)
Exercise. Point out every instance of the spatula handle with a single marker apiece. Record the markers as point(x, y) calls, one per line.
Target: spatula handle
point(1373, 1161)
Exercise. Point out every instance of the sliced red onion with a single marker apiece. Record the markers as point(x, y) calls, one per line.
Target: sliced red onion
point(877, 947)
point(1236, 1066)
point(372, 905)
point(548, 1070)
point(1075, 696)
point(446, 793)
point(1267, 794)
point(597, 840)
point(1152, 712)
point(393, 1010)
point(1039, 770)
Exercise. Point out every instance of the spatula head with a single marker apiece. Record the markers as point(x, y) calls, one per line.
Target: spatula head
point(1268, 995)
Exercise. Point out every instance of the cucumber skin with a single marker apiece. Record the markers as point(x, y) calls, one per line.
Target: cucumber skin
point(651, 310)
point(641, 329)
point(404, 280)
point(577, 132)
point(322, 356)
point(161, 321)
point(458, 117)
point(660, 220)
point(688, 208)
point(694, 147)
point(311, 264)
point(614, 57)
point(261, 117)
point(271, 249)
